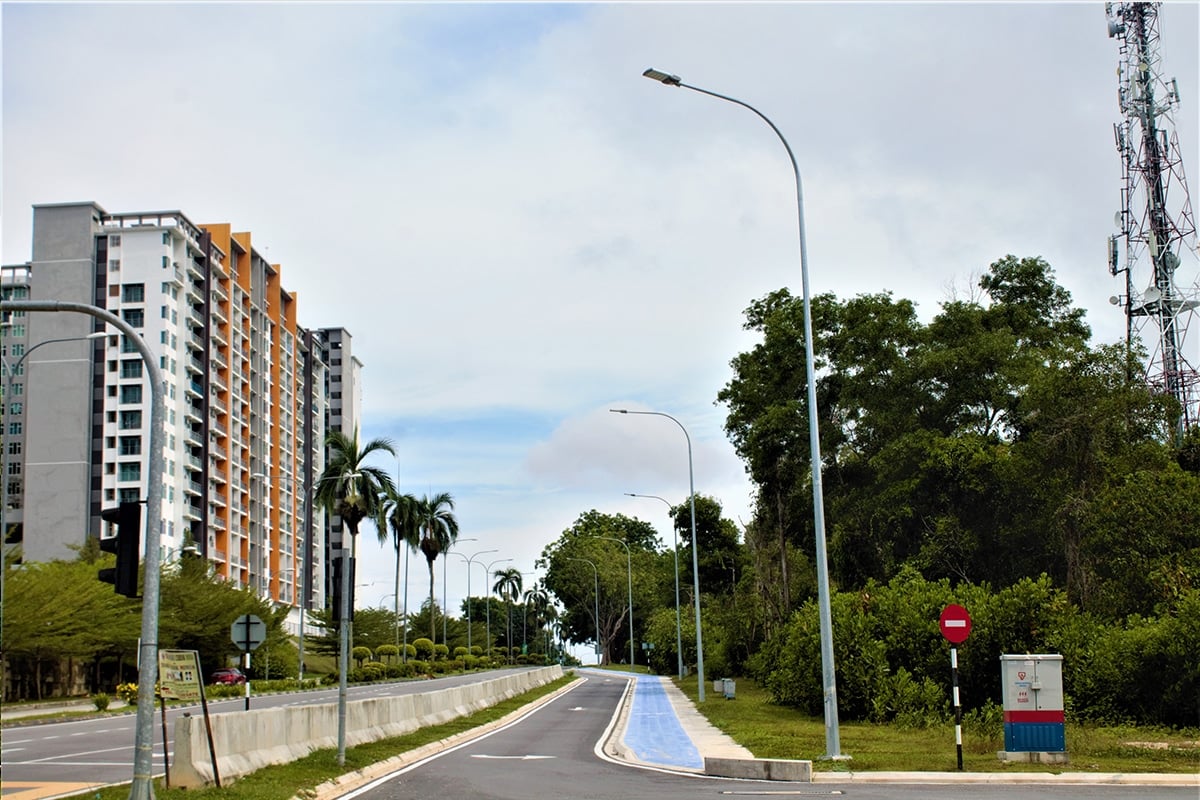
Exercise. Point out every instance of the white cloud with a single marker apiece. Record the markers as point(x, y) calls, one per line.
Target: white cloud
point(517, 228)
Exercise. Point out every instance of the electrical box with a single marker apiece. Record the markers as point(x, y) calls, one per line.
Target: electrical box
point(1033, 704)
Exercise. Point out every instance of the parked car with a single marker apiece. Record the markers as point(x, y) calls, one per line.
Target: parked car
point(228, 675)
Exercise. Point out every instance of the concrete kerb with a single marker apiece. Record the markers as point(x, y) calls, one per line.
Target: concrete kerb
point(359, 778)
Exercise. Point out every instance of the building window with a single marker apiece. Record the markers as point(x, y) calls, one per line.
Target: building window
point(128, 345)
point(134, 316)
point(114, 240)
point(131, 394)
point(14, 468)
point(133, 293)
point(110, 469)
point(131, 445)
point(131, 369)
point(114, 265)
point(16, 408)
point(130, 495)
point(14, 494)
point(18, 350)
point(166, 261)
point(130, 471)
point(14, 448)
point(109, 495)
point(112, 391)
point(18, 389)
point(166, 237)
point(17, 331)
point(15, 428)
point(131, 420)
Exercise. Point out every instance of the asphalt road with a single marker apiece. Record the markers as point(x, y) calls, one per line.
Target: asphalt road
point(49, 758)
point(554, 752)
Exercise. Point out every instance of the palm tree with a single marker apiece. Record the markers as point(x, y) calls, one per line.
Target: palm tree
point(439, 530)
point(537, 599)
point(350, 488)
point(508, 586)
point(400, 510)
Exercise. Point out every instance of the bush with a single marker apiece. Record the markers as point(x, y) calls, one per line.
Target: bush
point(459, 652)
point(470, 662)
point(100, 700)
point(424, 648)
point(128, 692)
point(441, 652)
point(476, 650)
point(390, 652)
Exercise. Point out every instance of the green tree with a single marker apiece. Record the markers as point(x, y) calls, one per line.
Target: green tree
point(351, 488)
point(401, 512)
point(439, 530)
point(573, 582)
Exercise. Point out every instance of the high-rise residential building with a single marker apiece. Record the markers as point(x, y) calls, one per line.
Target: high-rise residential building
point(249, 396)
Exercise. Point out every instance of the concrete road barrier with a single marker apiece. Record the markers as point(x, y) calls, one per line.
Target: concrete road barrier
point(761, 769)
point(248, 741)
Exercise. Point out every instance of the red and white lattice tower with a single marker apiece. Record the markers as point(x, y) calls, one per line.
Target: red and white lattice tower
point(1156, 224)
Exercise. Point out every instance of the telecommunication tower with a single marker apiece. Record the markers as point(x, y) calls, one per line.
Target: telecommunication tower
point(1155, 223)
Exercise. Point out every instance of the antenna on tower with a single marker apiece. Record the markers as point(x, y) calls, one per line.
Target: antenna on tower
point(1155, 221)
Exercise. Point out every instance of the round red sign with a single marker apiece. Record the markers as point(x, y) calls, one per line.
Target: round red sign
point(955, 624)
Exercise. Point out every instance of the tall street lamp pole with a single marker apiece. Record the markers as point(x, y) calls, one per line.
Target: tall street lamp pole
point(487, 577)
point(629, 574)
point(678, 621)
point(445, 608)
point(832, 743)
point(695, 548)
point(469, 561)
point(596, 608)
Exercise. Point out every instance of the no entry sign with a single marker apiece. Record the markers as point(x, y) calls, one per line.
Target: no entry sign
point(955, 624)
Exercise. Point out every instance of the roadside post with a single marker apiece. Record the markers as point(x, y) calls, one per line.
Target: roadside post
point(955, 625)
point(247, 632)
point(180, 679)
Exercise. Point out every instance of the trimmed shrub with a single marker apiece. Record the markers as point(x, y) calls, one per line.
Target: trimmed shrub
point(425, 649)
point(441, 652)
point(100, 700)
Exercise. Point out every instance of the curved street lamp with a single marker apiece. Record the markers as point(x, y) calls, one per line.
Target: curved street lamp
point(695, 548)
point(678, 622)
point(487, 575)
point(832, 743)
point(445, 607)
point(11, 372)
point(596, 609)
point(469, 560)
point(629, 569)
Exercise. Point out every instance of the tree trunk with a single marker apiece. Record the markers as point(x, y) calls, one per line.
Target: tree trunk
point(432, 624)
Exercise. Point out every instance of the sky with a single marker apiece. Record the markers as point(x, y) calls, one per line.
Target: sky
point(521, 232)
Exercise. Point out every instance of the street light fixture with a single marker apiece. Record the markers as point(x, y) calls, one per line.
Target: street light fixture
point(832, 743)
point(629, 573)
point(5, 402)
point(695, 548)
point(678, 622)
point(596, 608)
point(445, 607)
point(487, 572)
point(469, 560)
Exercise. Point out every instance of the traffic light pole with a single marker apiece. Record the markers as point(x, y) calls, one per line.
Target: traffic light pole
point(142, 787)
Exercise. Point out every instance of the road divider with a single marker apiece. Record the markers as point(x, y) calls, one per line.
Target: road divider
point(247, 741)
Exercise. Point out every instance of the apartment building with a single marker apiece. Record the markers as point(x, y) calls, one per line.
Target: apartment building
point(249, 396)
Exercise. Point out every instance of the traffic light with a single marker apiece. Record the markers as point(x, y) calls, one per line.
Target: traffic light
point(128, 519)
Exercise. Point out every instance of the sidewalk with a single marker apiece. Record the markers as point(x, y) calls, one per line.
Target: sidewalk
point(660, 727)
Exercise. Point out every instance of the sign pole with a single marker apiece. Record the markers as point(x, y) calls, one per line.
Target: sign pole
point(955, 625)
point(957, 704)
point(166, 756)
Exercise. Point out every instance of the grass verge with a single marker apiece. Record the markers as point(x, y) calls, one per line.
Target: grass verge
point(284, 781)
point(773, 731)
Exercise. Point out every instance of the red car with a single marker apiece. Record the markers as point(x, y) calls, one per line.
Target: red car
point(231, 675)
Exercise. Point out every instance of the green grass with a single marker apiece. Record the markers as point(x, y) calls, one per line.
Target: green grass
point(641, 669)
point(285, 781)
point(772, 731)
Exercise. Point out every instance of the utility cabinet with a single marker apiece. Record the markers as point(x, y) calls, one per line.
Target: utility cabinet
point(1033, 707)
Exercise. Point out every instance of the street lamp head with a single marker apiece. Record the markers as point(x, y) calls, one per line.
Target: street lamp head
point(662, 77)
point(618, 411)
point(97, 335)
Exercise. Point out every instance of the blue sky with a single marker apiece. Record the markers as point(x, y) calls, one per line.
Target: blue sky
point(521, 232)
